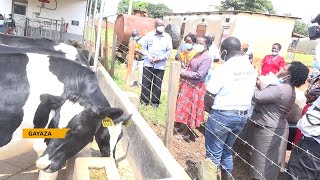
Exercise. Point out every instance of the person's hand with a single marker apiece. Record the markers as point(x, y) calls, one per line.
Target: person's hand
point(154, 60)
point(258, 83)
point(183, 70)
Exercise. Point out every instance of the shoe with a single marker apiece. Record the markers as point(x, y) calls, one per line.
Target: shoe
point(225, 175)
point(144, 104)
point(156, 106)
point(185, 137)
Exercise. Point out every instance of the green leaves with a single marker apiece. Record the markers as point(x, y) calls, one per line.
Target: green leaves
point(300, 27)
point(153, 10)
point(262, 6)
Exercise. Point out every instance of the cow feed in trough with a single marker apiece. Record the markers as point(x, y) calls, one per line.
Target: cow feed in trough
point(98, 174)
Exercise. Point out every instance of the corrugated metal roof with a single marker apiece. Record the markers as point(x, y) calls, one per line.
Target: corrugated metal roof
point(230, 12)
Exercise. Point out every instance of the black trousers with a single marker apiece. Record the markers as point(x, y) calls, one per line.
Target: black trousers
point(151, 83)
point(301, 164)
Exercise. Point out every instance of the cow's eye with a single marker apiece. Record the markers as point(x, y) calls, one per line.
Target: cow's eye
point(77, 130)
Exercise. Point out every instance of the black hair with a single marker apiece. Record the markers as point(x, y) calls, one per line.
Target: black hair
point(278, 44)
point(192, 36)
point(210, 40)
point(298, 73)
point(206, 40)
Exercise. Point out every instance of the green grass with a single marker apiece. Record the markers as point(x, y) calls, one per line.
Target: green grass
point(103, 33)
point(156, 116)
point(306, 59)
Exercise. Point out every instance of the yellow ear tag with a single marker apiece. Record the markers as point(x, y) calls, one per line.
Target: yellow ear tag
point(106, 122)
point(128, 123)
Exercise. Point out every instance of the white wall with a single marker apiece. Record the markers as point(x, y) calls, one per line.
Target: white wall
point(68, 9)
point(5, 7)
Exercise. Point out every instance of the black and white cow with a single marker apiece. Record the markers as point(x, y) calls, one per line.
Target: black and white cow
point(36, 88)
point(43, 46)
point(106, 137)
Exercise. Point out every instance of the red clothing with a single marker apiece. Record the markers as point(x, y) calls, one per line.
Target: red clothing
point(299, 134)
point(270, 64)
point(190, 104)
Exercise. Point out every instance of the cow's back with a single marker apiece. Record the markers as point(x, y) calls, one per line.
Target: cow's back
point(14, 92)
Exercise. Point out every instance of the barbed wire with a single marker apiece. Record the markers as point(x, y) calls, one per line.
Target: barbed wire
point(264, 127)
point(237, 136)
point(236, 154)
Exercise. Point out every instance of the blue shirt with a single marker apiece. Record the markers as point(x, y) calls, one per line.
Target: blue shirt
point(156, 46)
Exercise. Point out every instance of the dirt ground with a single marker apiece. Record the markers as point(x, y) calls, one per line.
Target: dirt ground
point(188, 153)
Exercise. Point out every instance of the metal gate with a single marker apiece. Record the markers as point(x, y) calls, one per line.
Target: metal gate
point(42, 27)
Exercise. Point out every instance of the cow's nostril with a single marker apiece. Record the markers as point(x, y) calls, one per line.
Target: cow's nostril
point(43, 162)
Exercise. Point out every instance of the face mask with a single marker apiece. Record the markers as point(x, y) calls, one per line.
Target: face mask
point(187, 46)
point(199, 47)
point(135, 38)
point(223, 55)
point(1, 22)
point(160, 29)
point(274, 53)
point(283, 79)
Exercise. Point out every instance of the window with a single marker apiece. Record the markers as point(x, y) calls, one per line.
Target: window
point(19, 9)
point(75, 23)
point(183, 28)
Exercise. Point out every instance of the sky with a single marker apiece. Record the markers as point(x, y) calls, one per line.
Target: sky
point(304, 9)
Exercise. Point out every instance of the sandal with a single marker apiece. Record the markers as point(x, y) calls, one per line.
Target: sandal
point(177, 129)
point(185, 137)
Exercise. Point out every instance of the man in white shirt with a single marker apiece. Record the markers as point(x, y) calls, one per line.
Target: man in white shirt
point(232, 86)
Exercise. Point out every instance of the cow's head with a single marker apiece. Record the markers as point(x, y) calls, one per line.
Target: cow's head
point(83, 119)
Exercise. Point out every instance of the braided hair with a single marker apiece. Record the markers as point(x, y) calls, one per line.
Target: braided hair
point(298, 73)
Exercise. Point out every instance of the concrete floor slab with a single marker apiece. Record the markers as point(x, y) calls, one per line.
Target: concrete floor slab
point(6, 170)
point(30, 173)
point(24, 160)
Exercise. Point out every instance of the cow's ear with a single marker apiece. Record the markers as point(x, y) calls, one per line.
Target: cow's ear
point(112, 113)
point(53, 102)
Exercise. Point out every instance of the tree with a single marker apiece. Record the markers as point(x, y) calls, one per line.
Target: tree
point(262, 6)
point(138, 5)
point(153, 10)
point(158, 10)
point(300, 27)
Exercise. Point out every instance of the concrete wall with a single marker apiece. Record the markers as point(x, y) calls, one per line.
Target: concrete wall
point(147, 155)
point(262, 31)
point(214, 22)
point(5, 7)
point(259, 30)
point(68, 9)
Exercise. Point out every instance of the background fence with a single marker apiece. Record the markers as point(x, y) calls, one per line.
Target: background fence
point(42, 27)
point(189, 153)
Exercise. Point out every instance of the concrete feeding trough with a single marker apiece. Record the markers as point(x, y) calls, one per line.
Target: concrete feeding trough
point(146, 153)
point(95, 168)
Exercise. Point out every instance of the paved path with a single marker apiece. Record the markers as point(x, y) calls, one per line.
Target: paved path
point(22, 168)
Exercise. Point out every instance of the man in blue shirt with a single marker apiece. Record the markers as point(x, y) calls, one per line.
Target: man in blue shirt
point(156, 49)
